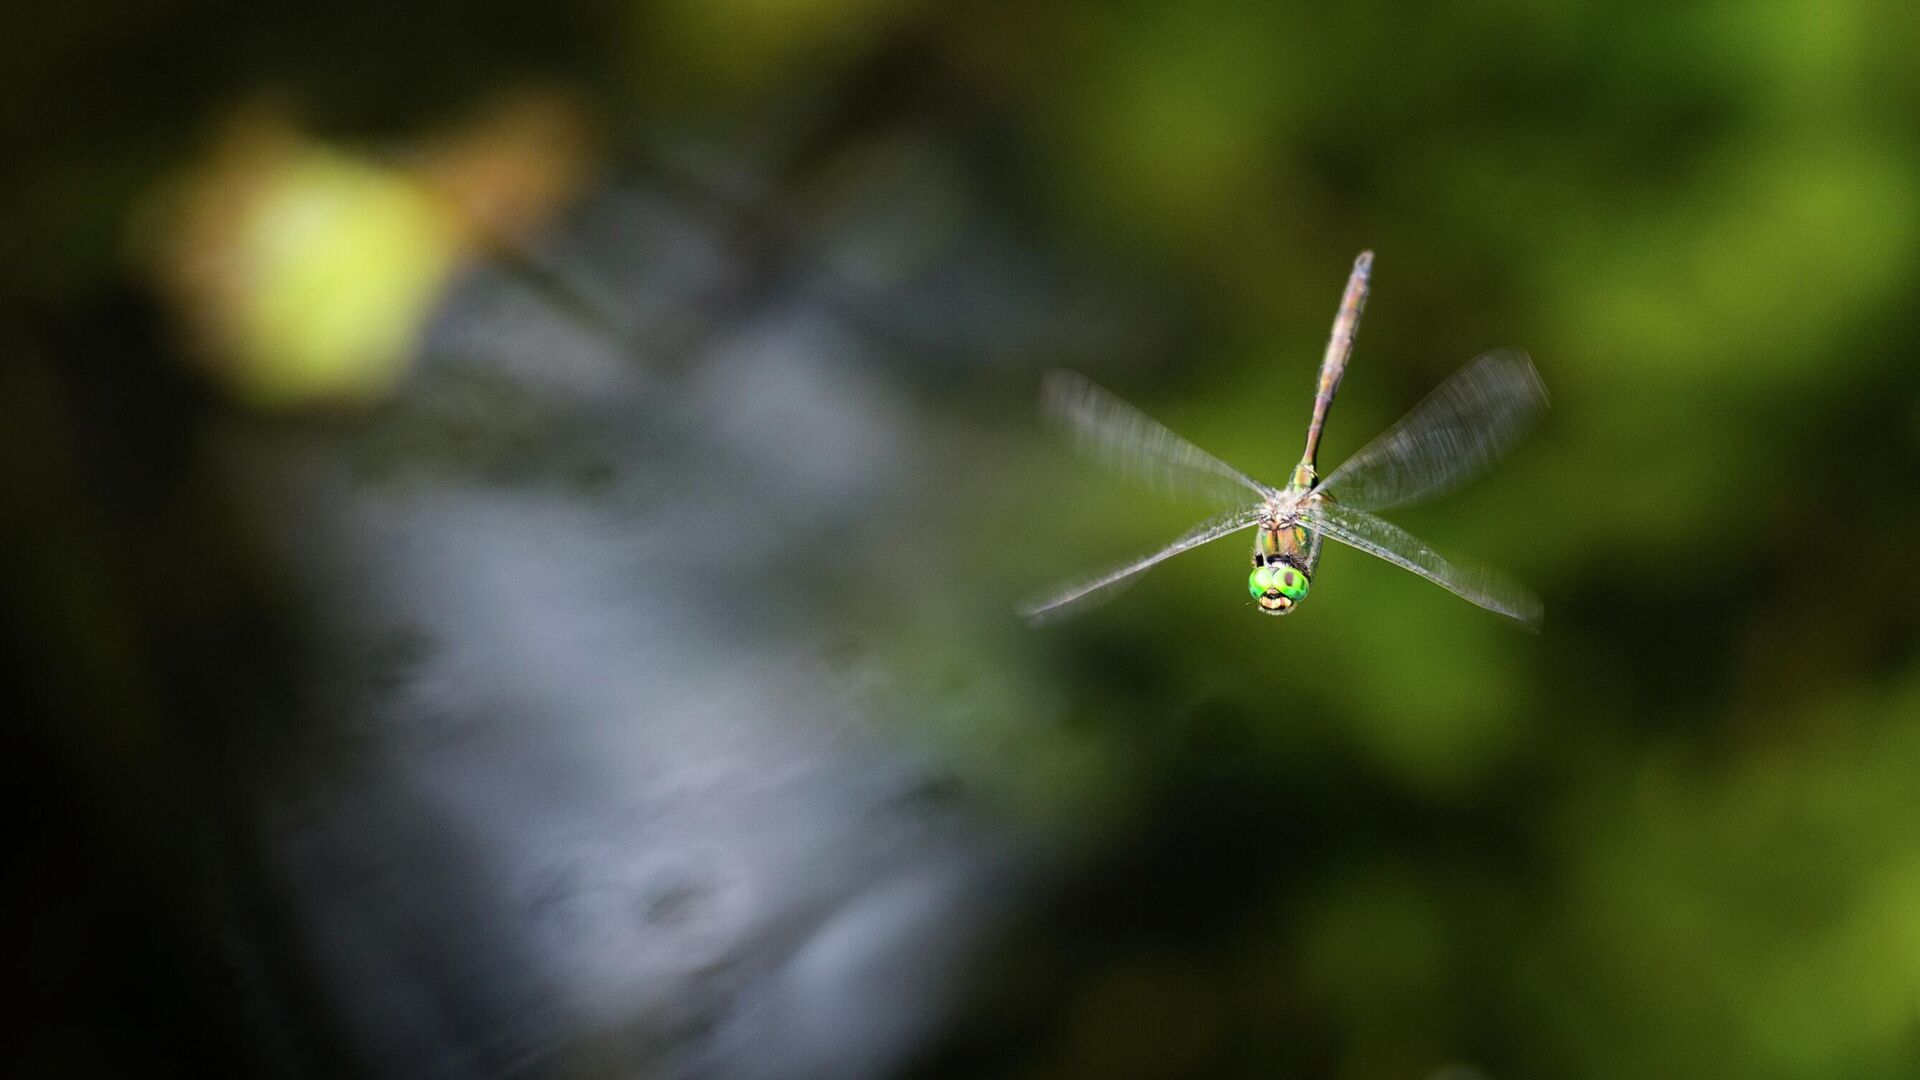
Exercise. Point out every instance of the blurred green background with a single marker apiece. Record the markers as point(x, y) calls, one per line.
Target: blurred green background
point(1675, 835)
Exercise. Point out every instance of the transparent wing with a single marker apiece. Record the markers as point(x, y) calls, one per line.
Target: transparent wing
point(1126, 439)
point(1468, 421)
point(1083, 594)
point(1488, 588)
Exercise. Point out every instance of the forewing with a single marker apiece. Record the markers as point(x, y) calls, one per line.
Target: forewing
point(1128, 440)
point(1489, 588)
point(1466, 424)
point(1084, 594)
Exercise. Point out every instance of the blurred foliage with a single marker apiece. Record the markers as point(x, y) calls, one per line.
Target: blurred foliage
point(319, 273)
point(307, 274)
point(1676, 835)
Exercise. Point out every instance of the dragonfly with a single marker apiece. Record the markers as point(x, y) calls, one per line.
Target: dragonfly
point(1469, 421)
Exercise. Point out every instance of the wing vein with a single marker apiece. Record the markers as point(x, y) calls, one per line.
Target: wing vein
point(1463, 426)
point(1382, 539)
point(1129, 441)
point(1102, 586)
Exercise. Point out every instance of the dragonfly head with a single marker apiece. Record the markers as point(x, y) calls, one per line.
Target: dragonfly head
point(1277, 588)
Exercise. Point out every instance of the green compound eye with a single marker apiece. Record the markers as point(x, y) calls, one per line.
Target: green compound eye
point(1292, 583)
point(1260, 581)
